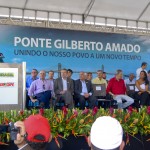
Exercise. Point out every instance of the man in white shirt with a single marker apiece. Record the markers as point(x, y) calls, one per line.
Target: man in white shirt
point(142, 68)
point(130, 80)
point(130, 85)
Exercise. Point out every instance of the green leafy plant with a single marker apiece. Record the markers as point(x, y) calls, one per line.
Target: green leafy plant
point(77, 122)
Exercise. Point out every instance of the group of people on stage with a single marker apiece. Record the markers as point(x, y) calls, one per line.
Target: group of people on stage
point(73, 92)
point(68, 90)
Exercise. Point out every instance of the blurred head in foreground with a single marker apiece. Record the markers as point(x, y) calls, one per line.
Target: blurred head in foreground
point(106, 134)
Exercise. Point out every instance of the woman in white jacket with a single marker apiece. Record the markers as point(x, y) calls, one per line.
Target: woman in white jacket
point(141, 89)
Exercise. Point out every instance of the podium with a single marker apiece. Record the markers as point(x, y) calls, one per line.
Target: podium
point(12, 86)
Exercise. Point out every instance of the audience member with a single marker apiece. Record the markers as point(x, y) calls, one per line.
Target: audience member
point(89, 76)
point(51, 75)
point(34, 133)
point(69, 73)
point(84, 91)
point(51, 78)
point(106, 134)
point(64, 89)
point(85, 74)
point(41, 88)
point(142, 68)
point(104, 76)
point(130, 85)
point(29, 80)
point(117, 89)
point(130, 80)
point(141, 89)
point(99, 79)
point(148, 75)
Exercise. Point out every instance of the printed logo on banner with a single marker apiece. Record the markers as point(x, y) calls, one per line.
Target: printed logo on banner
point(6, 74)
point(7, 84)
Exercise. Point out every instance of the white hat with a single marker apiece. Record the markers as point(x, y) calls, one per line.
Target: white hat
point(106, 133)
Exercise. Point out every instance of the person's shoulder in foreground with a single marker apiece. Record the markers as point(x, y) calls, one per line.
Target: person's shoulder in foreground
point(34, 133)
point(106, 134)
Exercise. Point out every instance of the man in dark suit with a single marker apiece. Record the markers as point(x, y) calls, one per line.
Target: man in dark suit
point(84, 91)
point(51, 78)
point(64, 89)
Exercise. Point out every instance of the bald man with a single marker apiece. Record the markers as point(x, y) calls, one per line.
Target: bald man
point(41, 88)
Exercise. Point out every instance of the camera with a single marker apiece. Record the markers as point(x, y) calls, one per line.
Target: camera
point(13, 131)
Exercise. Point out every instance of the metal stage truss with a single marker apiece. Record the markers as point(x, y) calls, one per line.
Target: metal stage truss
point(71, 21)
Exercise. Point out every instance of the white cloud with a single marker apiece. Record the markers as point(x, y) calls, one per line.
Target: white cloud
point(144, 39)
point(16, 60)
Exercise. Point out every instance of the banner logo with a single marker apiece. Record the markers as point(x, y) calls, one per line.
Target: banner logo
point(7, 84)
point(6, 74)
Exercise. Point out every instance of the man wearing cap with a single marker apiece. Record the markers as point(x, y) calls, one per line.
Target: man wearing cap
point(106, 134)
point(34, 133)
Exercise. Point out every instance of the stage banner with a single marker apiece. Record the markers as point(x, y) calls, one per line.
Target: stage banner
point(9, 85)
point(44, 48)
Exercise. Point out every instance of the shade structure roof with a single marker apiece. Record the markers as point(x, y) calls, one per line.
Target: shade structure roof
point(132, 13)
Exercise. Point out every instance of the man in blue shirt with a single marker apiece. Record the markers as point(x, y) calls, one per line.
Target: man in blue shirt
point(29, 80)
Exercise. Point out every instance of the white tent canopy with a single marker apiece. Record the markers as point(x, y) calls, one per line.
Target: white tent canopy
point(118, 13)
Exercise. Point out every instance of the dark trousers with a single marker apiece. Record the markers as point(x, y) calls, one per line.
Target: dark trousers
point(144, 98)
point(82, 101)
point(67, 98)
point(53, 145)
point(44, 98)
point(27, 99)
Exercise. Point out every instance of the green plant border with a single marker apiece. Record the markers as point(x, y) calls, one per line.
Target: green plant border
point(77, 122)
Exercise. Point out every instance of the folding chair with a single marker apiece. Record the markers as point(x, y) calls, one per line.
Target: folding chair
point(130, 89)
point(100, 94)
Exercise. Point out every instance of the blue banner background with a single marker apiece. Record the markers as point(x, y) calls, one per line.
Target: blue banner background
point(76, 63)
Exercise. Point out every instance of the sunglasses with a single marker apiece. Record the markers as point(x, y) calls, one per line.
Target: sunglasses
point(43, 86)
